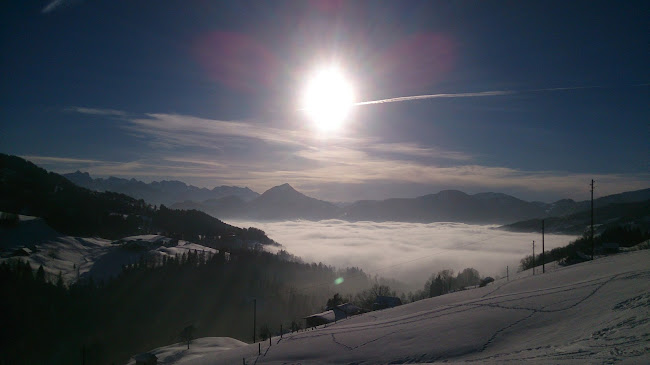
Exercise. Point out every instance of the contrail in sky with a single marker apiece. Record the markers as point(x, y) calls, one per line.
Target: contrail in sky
point(470, 95)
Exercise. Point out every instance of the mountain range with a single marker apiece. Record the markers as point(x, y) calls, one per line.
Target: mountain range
point(284, 202)
point(158, 192)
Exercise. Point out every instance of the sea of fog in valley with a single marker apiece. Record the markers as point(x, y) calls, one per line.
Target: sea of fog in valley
point(408, 252)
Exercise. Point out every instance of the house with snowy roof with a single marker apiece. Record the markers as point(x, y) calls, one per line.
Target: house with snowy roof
point(332, 314)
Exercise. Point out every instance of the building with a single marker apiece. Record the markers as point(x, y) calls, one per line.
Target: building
point(146, 359)
point(383, 302)
point(333, 314)
point(22, 251)
point(345, 310)
point(319, 319)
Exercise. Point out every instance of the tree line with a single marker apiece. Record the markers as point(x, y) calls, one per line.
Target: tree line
point(624, 236)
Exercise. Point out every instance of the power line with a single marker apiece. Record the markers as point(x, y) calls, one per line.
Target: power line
point(543, 258)
point(592, 219)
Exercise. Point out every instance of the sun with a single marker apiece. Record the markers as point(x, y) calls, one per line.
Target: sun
point(328, 98)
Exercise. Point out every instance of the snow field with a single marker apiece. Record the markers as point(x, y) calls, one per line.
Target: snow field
point(596, 312)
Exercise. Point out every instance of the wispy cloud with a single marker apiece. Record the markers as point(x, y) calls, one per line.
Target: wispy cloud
point(167, 130)
point(195, 161)
point(59, 160)
point(187, 169)
point(95, 111)
point(186, 131)
point(167, 126)
point(413, 149)
point(55, 4)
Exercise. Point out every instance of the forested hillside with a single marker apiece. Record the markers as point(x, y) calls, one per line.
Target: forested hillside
point(150, 303)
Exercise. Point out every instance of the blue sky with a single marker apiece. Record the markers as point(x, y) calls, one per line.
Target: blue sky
point(542, 96)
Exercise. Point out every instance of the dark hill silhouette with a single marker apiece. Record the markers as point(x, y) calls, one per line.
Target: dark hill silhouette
point(284, 202)
point(605, 216)
point(447, 205)
point(568, 206)
point(30, 190)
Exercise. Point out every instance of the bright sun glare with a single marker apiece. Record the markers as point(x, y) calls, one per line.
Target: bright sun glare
point(328, 99)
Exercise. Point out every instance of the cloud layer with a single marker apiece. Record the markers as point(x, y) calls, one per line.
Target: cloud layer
point(410, 252)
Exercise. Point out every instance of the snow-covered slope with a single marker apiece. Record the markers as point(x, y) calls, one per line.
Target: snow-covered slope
point(29, 231)
point(595, 312)
point(207, 347)
point(78, 257)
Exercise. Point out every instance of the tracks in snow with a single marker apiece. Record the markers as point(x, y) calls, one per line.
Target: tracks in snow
point(498, 302)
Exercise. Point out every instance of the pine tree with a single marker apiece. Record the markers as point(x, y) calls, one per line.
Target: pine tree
point(40, 275)
point(27, 271)
point(436, 287)
point(59, 281)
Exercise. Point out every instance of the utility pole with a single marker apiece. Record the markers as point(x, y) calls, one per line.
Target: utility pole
point(254, 317)
point(543, 258)
point(507, 273)
point(592, 219)
point(533, 257)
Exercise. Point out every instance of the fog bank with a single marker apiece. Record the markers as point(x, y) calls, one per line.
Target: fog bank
point(410, 252)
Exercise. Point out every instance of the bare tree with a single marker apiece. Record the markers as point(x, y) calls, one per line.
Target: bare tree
point(335, 300)
point(187, 335)
point(365, 298)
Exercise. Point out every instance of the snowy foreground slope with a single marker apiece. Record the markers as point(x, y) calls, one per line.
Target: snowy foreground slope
point(206, 346)
point(595, 312)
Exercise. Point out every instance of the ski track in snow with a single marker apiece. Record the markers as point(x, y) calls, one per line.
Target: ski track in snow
point(588, 288)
